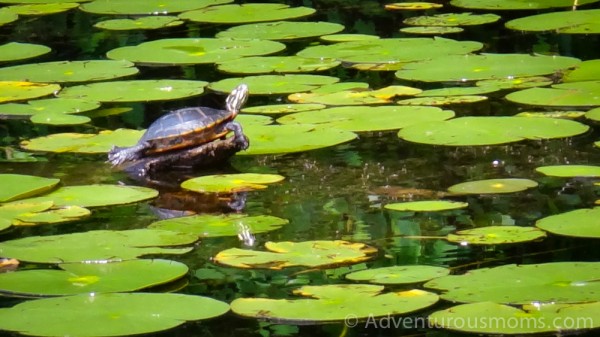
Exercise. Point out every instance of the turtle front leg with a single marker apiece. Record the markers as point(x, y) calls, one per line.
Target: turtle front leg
point(119, 155)
point(240, 137)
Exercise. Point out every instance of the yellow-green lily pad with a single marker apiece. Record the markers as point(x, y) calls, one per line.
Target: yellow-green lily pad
point(581, 21)
point(99, 246)
point(97, 195)
point(56, 118)
point(246, 13)
point(581, 223)
point(321, 254)
point(281, 30)
point(348, 37)
point(31, 213)
point(515, 83)
point(335, 303)
point(552, 114)
point(517, 4)
point(78, 278)
point(442, 100)
point(354, 96)
point(208, 226)
point(493, 186)
point(452, 19)
point(431, 30)
point(282, 108)
point(573, 94)
point(586, 71)
point(7, 17)
point(496, 235)
point(143, 7)
point(69, 71)
point(230, 183)
point(19, 186)
point(274, 84)
point(567, 171)
point(11, 91)
point(427, 205)
point(276, 64)
point(143, 23)
point(412, 6)
point(83, 143)
point(398, 274)
point(13, 51)
point(41, 9)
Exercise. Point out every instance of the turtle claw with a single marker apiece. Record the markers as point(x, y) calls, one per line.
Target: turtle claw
point(240, 137)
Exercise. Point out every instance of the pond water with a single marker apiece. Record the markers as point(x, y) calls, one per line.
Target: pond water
point(333, 193)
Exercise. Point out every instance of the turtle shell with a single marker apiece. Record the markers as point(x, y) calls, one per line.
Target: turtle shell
point(186, 127)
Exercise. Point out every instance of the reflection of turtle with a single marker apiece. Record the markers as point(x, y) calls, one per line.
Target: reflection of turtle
point(186, 128)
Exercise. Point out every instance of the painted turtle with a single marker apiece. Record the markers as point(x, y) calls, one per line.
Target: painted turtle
point(187, 127)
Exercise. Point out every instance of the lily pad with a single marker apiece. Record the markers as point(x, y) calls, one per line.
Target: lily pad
point(246, 13)
point(348, 37)
point(281, 30)
point(426, 205)
point(496, 235)
point(567, 171)
point(442, 100)
point(282, 108)
point(515, 83)
point(26, 213)
point(367, 118)
point(493, 186)
point(41, 9)
point(473, 131)
point(581, 223)
point(135, 90)
point(98, 246)
point(552, 114)
point(230, 183)
point(147, 22)
point(556, 282)
point(78, 278)
point(574, 94)
point(56, 118)
point(586, 71)
point(114, 314)
point(7, 17)
point(69, 71)
point(534, 318)
point(272, 139)
point(391, 50)
point(21, 91)
point(582, 21)
point(187, 51)
point(14, 51)
point(83, 143)
point(276, 64)
point(452, 19)
point(398, 274)
point(412, 6)
point(209, 226)
point(333, 303)
point(143, 7)
point(19, 186)
point(50, 106)
point(274, 84)
point(431, 30)
point(485, 66)
point(354, 96)
point(321, 254)
point(458, 91)
point(99, 195)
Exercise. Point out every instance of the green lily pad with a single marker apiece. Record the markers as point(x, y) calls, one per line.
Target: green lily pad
point(286, 254)
point(21, 91)
point(391, 50)
point(458, 91)
point(69, 71)
point(230, 183)
point(348, 37)
point(496, 235)
point(274, 84)
point(275, 64)
point(27, 213)
point(146, 22)
point(552, 114)
point(515, 83)
point(493, 186)
point(473, 131)
point(581, 223)
point(431, 30)
point(142, 7)
point(412, 6)
point(367, 118)
point(582, 21)
point(556, 282)
point(209, 226)
point(41, 9)
point(97, 195)
point(500, 319)
point(398, 274)
point(343, 86)
point(426, 205)
point(50, 106)
point(14, 51)
point(98, 246)
point(442, 100)
point(187, 51)
point(452, 19)
point(56, 118)
point(354, 96)
point(593, 114)
point(575, 94)
point(7, 17)
point(18, 186)
point(83, 143)
point(586, 71)
point(568, 171)
point(282, 108)
point(335, 302)
point(113, 314)
point(517, 4)
point(271, 139)
point(484, 66)
point(135, 90)
point(78, 278)
point(246, 120)
point(246, 13)
point(281, 30)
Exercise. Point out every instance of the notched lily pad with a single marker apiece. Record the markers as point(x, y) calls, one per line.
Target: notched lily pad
point(493, 186)
point(282, 108)
point(143, 23)
point(31, 213)
point(274, 84)
point(581, 21)
point(354, 96)
point(281, 30)
point(14, 51)
point(581, 223)
point(230, 183)
point(207, 225)
point(452, 19)
point(321, 254)
point(246, 13)
point(11, 91)
point(69, 71)
point(82, 142)
point(276, 64)
point(442, 100)
point(427, 205)
point(431, 30)
point(143, 7)
point(495, 235)
point(516, 4)
point(398, 274)
point(41, 9)
point(19, 186)
point(99, 195)
point(574, 94)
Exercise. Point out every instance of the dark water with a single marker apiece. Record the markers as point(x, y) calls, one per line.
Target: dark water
point(332, 193)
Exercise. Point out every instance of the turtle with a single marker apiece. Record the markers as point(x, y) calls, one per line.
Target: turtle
point(185, 128)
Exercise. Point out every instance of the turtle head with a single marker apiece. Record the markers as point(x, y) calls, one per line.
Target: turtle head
point(237, 98)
